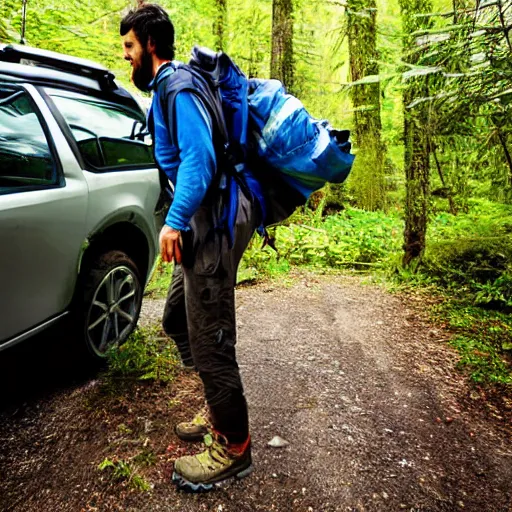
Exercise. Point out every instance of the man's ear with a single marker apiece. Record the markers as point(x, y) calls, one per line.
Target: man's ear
point(151, 47)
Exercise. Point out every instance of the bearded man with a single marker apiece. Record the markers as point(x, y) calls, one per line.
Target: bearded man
point(200, 308)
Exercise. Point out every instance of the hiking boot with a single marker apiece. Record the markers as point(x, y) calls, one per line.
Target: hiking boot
point(196, 429)
point(219, 462)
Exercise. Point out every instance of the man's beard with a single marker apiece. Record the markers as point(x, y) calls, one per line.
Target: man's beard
point(143, 74)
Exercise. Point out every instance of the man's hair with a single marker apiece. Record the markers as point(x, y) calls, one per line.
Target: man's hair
point(151, 21)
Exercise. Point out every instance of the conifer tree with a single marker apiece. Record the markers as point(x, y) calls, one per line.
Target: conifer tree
point(368, 183)
point(417, 148)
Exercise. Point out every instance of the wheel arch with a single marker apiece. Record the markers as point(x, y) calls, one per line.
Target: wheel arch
point(123, 236)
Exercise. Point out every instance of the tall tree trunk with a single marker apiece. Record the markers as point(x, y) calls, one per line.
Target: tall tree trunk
point(219, 27)
point(23, 21)
point(417, 150)
point(281, 65)
point(368, 184)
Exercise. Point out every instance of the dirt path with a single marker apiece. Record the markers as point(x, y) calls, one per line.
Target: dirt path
point(364, 391)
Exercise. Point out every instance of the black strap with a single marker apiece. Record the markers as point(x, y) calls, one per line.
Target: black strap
point(185, 78)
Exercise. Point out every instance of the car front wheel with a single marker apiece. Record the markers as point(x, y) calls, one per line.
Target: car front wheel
point(112, 300)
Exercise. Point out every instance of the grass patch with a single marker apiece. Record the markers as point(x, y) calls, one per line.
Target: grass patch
point(160, 280)
point(483, 339)
point(147, 355)
point(122, 471)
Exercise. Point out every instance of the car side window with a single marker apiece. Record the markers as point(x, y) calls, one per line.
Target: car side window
point(108, 136)
point(26, 161)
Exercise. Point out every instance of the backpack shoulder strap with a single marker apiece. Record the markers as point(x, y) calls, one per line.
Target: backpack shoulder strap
point(185, 78)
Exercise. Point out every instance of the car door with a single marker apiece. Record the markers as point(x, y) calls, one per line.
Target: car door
point(43, 206)
point(117, 160)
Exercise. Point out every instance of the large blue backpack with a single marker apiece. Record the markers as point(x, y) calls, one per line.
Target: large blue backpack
point(262, 132)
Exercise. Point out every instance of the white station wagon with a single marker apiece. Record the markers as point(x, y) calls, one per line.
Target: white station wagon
point(80, 200)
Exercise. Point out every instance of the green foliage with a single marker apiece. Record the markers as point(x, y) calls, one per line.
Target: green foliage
point(482, 259)
point(486, 365)
point(496, 293)
point(482, 338)
point(474, 253)
point(367, 182)
point(4, 35)
point(159, 283)
point(145, 458)
point(468, 262)
point(147, 355)
point(466, 56)
point(321, 67)
point(88, 29)
point(259, 263)
point(351, 239)
point(484, 218)
point(193, 24)
point(122, 471)
point(249, 24)
point(367, 185)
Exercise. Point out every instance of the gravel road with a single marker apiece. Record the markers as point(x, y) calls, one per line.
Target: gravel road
point(362, 388)
point(368, 397)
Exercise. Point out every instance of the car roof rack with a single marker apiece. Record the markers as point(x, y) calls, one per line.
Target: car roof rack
point(19, 54)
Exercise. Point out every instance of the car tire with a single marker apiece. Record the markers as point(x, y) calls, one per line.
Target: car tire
point(112, 298)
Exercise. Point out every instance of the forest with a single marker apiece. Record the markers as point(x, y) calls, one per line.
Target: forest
point(425, 86)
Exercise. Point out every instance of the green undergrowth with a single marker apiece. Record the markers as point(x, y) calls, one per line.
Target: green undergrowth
point(146, 356)
point(482, 337)
point(159, 282)
point(126, 472)
point(471, 254)
point(349, 240)
point(474, 248)
point(468, 262)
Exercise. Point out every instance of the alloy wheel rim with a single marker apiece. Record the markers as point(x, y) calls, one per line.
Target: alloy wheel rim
point(113, 310)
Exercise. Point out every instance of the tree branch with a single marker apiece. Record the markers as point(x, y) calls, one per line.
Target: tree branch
point(433, 149)
point(507, 153)
point(502, 21)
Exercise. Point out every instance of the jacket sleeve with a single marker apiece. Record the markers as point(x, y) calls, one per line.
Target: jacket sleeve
point(197, 159)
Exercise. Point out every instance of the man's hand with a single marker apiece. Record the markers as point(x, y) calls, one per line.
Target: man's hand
point(170, 245)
